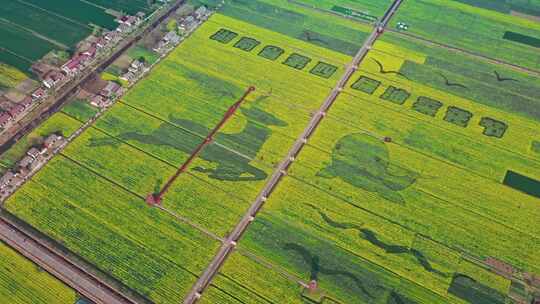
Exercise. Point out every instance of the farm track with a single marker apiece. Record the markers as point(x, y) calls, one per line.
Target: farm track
point(230, 243)
point(59, 264)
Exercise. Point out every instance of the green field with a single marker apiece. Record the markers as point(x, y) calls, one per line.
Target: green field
point(393, 200)
point(32, 28)
point(22, 282)
point(58, 123)
point(471, 28)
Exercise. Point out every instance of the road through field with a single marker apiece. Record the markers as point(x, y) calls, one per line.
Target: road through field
point(58, 265)
point(230, 242)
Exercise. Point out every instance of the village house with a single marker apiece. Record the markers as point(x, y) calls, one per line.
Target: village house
point(15, 181)
point(188, 24)
point(74, 65)
point(52, 79)
point(110, 89)
point(39, 94)
point(33, 152)
point(91, 51)
point(201, 12)
point(136, 65)
point(16, 110)
point(4, 119)
point(6, 179)
point(98, 101)
point(26, 102)
point(26, 161)
point(51, 141)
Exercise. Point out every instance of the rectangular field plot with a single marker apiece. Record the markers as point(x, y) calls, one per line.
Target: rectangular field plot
point(297, 61)
point(146, 249)
point(271, 52)
point(340, 274)
point(247, 44)
point(80, 12)
point(427, 106)
point(366, 85)
point(317, 28)
point(23, 282)
point(395, 95)
point(323, 69)
point(224, 36)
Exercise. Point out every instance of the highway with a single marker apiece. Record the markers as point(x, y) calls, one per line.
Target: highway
point(230, 242)
point(58, 264)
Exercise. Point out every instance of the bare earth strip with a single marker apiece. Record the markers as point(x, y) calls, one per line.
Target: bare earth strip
point(230, 242)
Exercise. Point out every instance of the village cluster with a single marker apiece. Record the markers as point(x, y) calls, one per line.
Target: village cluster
point(53, 78)
point(186, 25)
point(33, 160)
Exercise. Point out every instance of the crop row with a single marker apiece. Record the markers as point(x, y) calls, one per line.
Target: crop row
point(17, 288)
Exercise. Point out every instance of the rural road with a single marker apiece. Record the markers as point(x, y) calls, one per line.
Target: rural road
point(58, 265)
point(230, 242)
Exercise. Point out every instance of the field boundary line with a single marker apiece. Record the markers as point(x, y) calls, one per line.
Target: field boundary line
point(206, 278)
point(25, 242)
point(34, 33)
point(54, 14)
point(406, 114)
point(492, 60)
point(125, 189)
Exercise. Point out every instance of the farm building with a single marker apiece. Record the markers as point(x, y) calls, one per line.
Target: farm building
point(26, 102)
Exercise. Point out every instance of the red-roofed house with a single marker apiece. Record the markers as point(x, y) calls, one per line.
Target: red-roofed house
point(38, 94)
point(16, 110)
point(73, 66)
point(4, 119)
point(26, 102)
point(91, 52)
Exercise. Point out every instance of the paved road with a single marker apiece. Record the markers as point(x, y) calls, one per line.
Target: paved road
point(59, 266)
point(231, 241)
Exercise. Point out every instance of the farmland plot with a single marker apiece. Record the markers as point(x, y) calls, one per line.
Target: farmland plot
point(389, 181)
point(58, 123)
point(145, 249)
point(246, 280)
point(477, 30)
point(16, 288)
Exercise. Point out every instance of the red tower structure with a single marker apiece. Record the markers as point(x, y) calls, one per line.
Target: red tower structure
point(154, 199)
